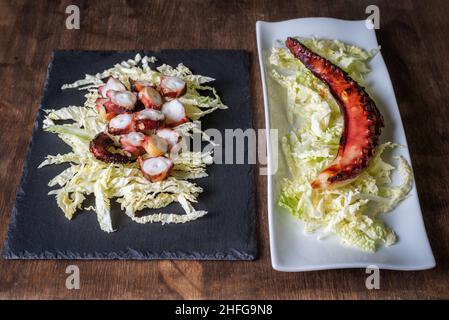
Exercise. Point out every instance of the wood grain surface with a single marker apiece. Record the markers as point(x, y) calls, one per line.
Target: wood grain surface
point(415, 45)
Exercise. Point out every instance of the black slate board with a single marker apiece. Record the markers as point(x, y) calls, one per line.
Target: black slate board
point(38, 228)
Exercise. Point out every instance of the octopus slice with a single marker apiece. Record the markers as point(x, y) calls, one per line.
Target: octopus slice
point(111, 84)
point(113, 108)
point(148, 120)
point(107, 109)
point(155, 146)
point(155, 169)
point(139, 85)
point(124, 99)
point(150, 98)
point(121, 124)
point(362, 119)
point(100, 145)
point(101, 109)
point(172, 137)
point(174, 113)
point(172, 87)
point(132, 144)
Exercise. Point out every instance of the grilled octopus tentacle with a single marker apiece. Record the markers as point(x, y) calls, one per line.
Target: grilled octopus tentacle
point(362, 119)
point(99, 147)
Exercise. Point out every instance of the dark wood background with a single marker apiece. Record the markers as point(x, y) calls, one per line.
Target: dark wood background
point(415, 43)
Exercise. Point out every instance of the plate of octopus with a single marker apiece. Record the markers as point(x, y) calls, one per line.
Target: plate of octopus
point(341, 191)
point(120, 166)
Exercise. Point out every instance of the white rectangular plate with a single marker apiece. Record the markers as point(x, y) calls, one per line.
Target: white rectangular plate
point(291, 249)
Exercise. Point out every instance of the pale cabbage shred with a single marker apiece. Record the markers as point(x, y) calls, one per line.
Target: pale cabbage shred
point(350, 212)
point(125, 182)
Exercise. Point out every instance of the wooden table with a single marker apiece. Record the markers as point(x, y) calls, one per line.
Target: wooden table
point(415, 45)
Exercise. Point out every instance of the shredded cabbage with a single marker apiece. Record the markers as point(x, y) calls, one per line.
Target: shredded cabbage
point(350, 212)
point(124, 182)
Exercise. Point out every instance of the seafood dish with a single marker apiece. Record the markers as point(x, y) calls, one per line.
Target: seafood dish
point(339, 184)
point(128, 142)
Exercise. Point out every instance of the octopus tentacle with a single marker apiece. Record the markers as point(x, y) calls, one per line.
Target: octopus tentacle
point(99, 147)
point(362, 119)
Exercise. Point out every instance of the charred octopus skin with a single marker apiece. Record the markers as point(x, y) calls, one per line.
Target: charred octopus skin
point(99, 147)
point(362, 119)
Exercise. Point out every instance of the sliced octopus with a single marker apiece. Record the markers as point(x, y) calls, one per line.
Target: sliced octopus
point(155, 169)
point(174, 112)
point(121, 124)
point(172, 87)
point(100, 147)
point(139, 118)
point(362, 119)
point(150, 98)
point(155, 145)
point(132, 144)
point(148, 120)
point(124, 99)
point(172, 137)
point(111, 84)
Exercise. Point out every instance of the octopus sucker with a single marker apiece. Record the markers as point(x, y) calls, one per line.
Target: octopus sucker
point(362, 120)
point(100, 145)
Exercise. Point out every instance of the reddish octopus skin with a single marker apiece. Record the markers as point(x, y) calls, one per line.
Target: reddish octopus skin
point(99, 147)
point(362, 119)
point(107, 109)
point(125, 130)
point(171, 93)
